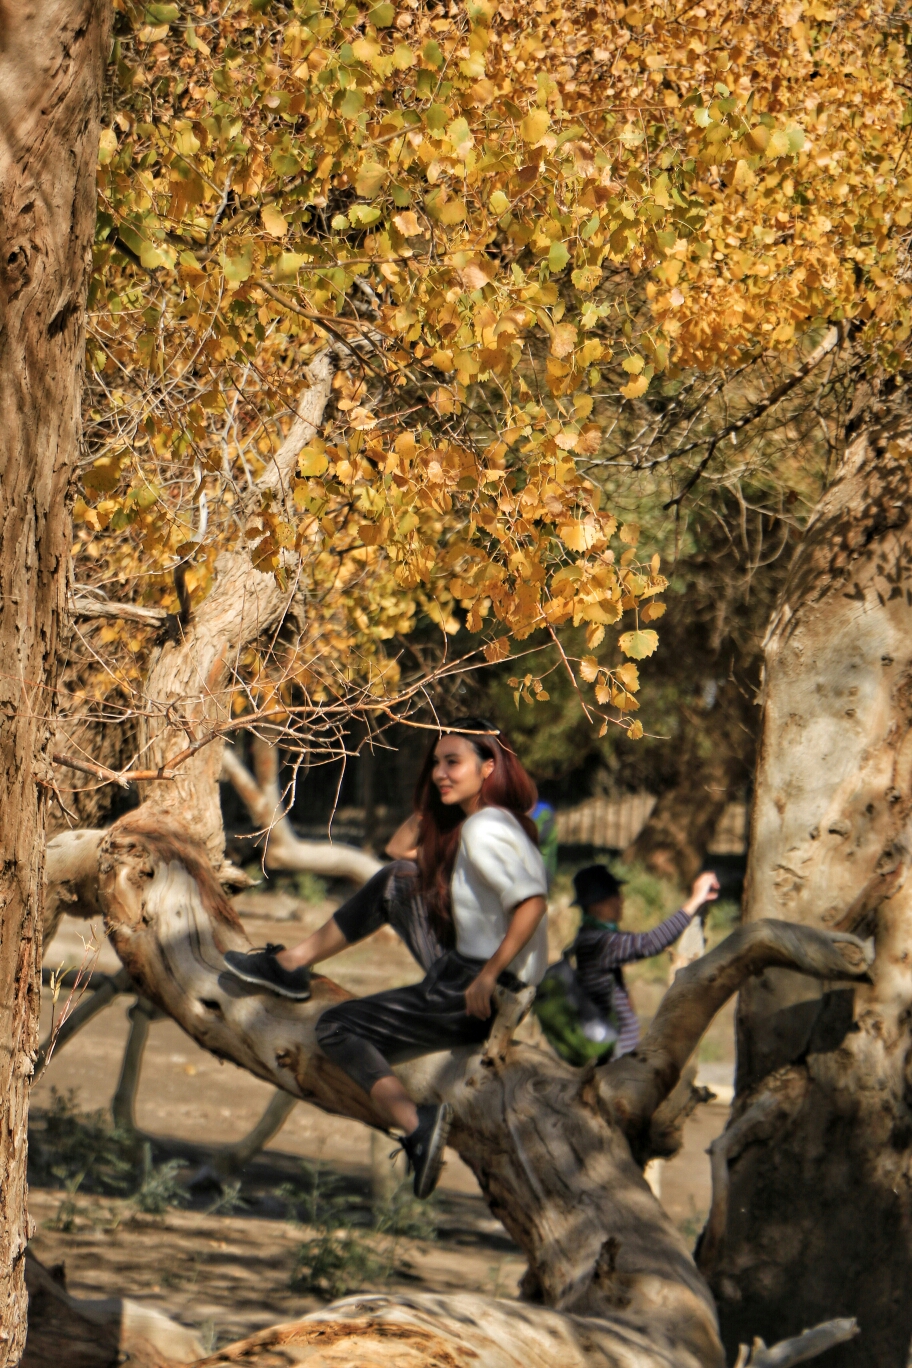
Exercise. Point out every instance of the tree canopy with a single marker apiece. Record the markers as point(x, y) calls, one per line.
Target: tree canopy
point(542, 244)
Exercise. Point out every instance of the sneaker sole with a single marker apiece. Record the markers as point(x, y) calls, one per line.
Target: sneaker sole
point(427, 1179)
point(295, 996)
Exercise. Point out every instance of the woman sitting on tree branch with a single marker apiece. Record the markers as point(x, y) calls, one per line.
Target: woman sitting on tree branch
point(470, 906)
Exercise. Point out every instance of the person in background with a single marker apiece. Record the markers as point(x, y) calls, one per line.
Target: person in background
point(545, 819)
point(466, 892)
point(601, 948)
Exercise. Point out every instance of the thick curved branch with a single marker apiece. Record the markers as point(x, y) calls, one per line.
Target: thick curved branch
point(285, 850)
point(187, 679)
point(71, 868)
point(801, 1348)
point(635, 1085)
point(551, 1163)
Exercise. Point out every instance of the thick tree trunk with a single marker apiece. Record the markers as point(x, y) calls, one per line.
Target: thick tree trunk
point(813, 1210)
point(553, 1149)
point(51, 75)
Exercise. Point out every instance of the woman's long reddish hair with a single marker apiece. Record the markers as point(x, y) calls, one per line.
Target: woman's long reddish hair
point(508, 786)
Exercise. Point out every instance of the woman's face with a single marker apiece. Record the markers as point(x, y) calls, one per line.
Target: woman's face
point(459, 772)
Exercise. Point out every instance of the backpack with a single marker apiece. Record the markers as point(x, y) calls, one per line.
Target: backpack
point(574, 1026)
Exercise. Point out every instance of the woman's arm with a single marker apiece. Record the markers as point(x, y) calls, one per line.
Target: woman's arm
point(523, 925)
point(403, 844)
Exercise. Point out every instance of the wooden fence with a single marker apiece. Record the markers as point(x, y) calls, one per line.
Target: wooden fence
point(611, 823)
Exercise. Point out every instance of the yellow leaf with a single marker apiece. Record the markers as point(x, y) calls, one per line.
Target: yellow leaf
point(633, 364)
point(778, 145)
point(578, 536)
point(638, 385)
point(629, 676)
point(638, 645)
point(365, 48)
point(635, 731)
point(312, 462)
point(563, 339)
point(630, 533)
point(595, 635)
point(369, 179)
point(497, 650)
point(589, 668)
point(407, 223)
point(535, 125)
point(451, 213)
point(107, 146)
point(652, 611)
point(744, 176)
point(603, 693)
point(273, 221)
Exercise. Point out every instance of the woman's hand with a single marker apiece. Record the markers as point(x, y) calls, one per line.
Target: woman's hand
point(479, 993)
point(523, 923)
point(403, 844)
point(705, 890)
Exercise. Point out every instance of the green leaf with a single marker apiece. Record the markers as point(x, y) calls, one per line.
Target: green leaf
point(237, 268)
point(361, 215)
point(558, 256)
point(369, 179)
point(352, 104)
point(162, 14)
point(382, 16)
point(638, 645)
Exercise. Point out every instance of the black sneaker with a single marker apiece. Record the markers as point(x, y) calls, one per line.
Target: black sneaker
point(262, 968)
point(424, 1147)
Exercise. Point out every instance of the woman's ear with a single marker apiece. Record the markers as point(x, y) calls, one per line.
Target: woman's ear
point(487, 769)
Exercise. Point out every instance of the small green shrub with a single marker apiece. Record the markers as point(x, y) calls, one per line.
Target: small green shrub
point(345, 1251)
point(310, 888)
point(159, 1187)
point(72, 1149)
point(83, 1151)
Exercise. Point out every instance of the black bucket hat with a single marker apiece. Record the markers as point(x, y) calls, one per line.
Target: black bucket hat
point(594, 883)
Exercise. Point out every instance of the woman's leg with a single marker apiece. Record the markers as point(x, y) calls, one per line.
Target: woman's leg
point(393, 1103)
point(390, 898)
point(287, 972)
point(320, 945)
point(363, 1035)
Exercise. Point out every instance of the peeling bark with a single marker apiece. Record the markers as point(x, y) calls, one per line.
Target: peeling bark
point(51, 73)
point(818, 1220)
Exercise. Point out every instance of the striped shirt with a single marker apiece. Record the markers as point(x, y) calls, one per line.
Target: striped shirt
point(600, 953)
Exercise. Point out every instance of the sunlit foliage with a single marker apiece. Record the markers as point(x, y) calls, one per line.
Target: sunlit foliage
point(526, 232)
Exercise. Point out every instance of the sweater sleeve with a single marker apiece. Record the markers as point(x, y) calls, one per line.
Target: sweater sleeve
point(623, 947)
point(503, 857)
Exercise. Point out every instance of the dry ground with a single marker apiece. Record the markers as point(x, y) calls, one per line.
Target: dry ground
point(229, 1272)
